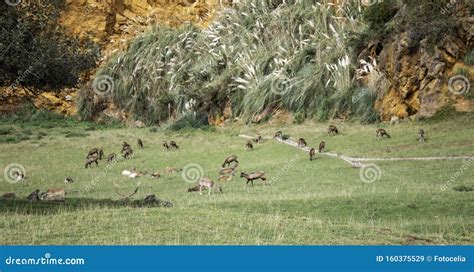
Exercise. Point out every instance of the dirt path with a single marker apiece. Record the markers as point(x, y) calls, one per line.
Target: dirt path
point(357, 162)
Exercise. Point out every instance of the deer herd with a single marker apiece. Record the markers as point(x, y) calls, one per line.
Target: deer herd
point(226, 173)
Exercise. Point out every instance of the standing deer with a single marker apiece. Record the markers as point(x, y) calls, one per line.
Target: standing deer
point(140, 143)
point(253, 176)
point(230, 160)
point(382, 133)
point(125, 146)
point(322, 146)
point(128, 153)
point(332, 129)
point(421, 136)
point(312, 154)
point(205, 182)
point(249, 145)
point(302, 143)
point(95, 152)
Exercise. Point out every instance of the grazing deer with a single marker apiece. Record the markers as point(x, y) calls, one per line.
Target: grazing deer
point(128, 153)
point(8, 196)
point(95, 152)
point(332, 129)
point(249, 145)
point(91, 160)
point(229, 160)
point(125, 147)
point(34, 196)
point(322, 146)
point(205, 182)
point(226, 173)
point(312, 154)
point(140, 143)
point(68, 180)
point(111, 157)
point(302, 143)
point(382, 133)
point(253, 176)
point(53, 195)
point(421, 136)
point(196, 188)
point(173, 145)
point(278, 135)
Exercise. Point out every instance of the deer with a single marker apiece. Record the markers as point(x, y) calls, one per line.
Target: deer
point(302, 143)
point(95, 152)
point(128, 153)
point(312, 154)
point(165, 145)
point(140, 143)
point(91, 160)
point(332, 129)
point(34, 196)
point(249, 145)
point(156, 175)
point(421, 136)
point(112, 157)
point(125, 147)
point(278, 135)
point(258, 139)
point(229, 160)
point(382, 133)
point(173, 145)
point(196, 188)
point(253, 176)
point(322, 146)
point(68, 180)
point(8, 196)
point(53, 195)
point(205, 182)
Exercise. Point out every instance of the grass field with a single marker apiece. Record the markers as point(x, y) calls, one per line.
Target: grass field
point(320, 202)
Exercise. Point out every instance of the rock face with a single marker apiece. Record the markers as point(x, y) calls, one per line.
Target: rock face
point(419, 79)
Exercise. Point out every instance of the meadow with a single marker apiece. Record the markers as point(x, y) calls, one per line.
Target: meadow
point(324, 201)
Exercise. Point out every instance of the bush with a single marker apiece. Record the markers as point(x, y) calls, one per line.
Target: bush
point(190, 120)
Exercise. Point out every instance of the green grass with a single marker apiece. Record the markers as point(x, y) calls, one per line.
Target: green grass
point(319, 202)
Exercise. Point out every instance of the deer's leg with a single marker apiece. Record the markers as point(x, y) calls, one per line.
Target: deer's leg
point(210, 188)
point(200, 190)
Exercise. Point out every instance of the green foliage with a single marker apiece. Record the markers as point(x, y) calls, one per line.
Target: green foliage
point(273, 54)
point(469, 58)
point(35, 52)
point(190, 120)
point(364, 101)
point(380, 13)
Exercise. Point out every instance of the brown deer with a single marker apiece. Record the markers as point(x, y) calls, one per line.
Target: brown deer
point(128, 153)
point(226, 174)
point(196, 188)
point(91, 160)
point(382, 133)
point(322, 146)
point(165, 145)
point(421, 136)
point(312, 154)
point(8, 196)
point(249, 145)
point(34, 196)
point(125, 146)
point(253, 176)
point(173, 145)
point(95, 152)
point(140, 143)
point(332, 129)
point(229, 160)
point(111, 157)
point(53, 195)
point(205, 182)
point(278, 135)
point(302, 143)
